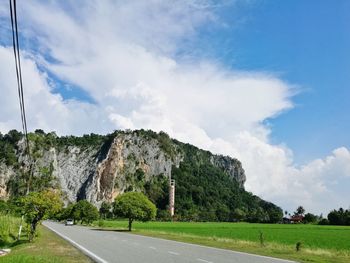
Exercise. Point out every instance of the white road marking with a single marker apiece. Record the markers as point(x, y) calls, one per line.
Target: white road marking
point(203, 260)
point(153, 248)
point(124, 240)
point(219, 249)
point(100, 260)
point(135, 243)
point(85, 250)
point(173, 253)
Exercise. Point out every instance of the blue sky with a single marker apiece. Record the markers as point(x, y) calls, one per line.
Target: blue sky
point(214, 74)
point(309, 44)
point(306, 43)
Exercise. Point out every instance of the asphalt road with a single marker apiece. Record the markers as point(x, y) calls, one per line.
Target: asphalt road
point(120, 247)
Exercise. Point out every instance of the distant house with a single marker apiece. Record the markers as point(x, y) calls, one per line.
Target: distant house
point(296, 219)
point(293, 219)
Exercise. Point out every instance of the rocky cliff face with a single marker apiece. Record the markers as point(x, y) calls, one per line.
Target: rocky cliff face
point(128, 155)
point(231, 166)
point(5, 175)
point(119, 163)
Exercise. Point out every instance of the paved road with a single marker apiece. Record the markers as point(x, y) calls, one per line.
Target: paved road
point(120, 247)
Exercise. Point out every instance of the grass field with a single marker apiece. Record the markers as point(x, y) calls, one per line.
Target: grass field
point(319, 243)
point(8, 229)
point(47, 248)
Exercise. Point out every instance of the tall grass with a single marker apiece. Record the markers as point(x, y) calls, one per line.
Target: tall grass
point(8, 229)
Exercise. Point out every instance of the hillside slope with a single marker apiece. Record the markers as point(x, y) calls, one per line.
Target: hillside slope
point(98, 168)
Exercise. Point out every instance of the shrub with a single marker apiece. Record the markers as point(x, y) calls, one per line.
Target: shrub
point(323, 222)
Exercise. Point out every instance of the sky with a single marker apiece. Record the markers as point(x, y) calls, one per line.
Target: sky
point(260, 80)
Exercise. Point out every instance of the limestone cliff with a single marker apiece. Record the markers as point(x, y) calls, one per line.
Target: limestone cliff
point(109, 165)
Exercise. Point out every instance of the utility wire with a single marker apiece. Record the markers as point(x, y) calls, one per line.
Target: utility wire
point(17, 67)
point(15, 40)
point(20, 74)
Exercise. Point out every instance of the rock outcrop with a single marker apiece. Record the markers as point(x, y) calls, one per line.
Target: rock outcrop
point(231, 166)
point(6, 173)
point(100, 172)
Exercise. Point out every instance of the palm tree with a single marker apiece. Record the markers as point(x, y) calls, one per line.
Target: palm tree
point(300, 211)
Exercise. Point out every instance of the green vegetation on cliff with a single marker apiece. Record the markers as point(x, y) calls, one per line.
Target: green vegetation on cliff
point(205, 192)
point(8, 147)
point(206, 188)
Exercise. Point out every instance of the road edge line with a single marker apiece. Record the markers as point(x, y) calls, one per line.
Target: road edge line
point(80, 247)
point(216, 248)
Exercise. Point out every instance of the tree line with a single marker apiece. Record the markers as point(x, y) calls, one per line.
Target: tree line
point(340, 217)
point(47, 204)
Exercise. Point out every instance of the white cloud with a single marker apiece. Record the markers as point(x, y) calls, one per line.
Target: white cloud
point(124, 56)
point(44, 109)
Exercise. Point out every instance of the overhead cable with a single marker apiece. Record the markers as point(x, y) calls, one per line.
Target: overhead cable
point(15, 40)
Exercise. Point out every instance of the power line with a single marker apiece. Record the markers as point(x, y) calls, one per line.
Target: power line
point(15, 41)
point(20, 73)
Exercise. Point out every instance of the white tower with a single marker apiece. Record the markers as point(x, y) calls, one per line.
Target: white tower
point(172, 197)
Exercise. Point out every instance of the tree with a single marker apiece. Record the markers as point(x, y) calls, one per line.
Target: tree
point(38, 206)
point(334, 218)
point(275, 216)
point(222, 213)
point(39, 131)
point(134, 206)
point(238, 215)
point(105, 210)
point(67, 212)
point(310, 218)
point(13, 136)
point(347, 217)
point(300, 211)
point(85, 212)
point(340, 217)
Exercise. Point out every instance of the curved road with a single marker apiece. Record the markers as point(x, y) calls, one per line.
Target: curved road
point(120, 247)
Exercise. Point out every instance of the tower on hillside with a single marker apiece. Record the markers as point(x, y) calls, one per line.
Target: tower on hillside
point(172, 197)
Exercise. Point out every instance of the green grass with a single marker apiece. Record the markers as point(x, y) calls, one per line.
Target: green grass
point(46, 248)
point(319, 243)
point(8, 229)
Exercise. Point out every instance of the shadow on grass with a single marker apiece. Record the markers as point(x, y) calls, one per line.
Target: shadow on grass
point(4, 244)
point(110, 230)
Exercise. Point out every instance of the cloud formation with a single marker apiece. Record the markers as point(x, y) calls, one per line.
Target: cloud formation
point(124, 55)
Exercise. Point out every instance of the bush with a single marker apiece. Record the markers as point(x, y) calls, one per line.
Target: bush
point(323, 222)
point(298, 246)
